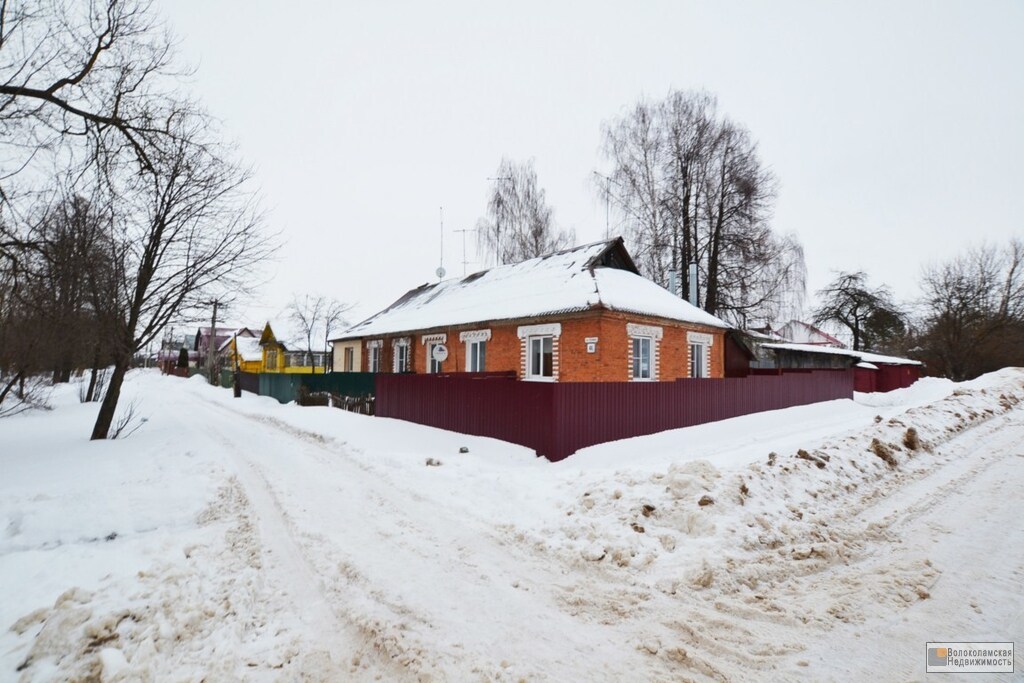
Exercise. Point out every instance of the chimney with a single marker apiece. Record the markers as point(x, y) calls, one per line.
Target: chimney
point(693, 284)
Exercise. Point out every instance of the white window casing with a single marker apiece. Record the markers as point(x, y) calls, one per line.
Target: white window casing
point(375, 344)
point(545, 330)
point(476, 349)
point(434, 339)
point(653, 331)
point(400, 357)
point(527, 335)
point(475, 335)
point(700, 338)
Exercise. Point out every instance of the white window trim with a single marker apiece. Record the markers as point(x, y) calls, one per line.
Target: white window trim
point(705, 359)
point(652, 331)
point(525, 333)
point(375, 344)
point(651, 367)
point(546, 330)
point(474, 336)
point(395, 343)
point(434, 339)
point(700, 338)
point(554, 359)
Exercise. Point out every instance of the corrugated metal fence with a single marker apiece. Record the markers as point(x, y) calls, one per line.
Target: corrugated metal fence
point(557, 419)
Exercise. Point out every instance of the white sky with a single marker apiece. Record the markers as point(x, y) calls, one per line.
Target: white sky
point(896, 129)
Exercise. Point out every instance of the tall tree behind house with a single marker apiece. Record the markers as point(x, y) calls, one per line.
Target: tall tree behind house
point(691, 188)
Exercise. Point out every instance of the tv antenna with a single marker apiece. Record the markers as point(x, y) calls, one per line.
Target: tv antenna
point(440, 269)
point(464, 261)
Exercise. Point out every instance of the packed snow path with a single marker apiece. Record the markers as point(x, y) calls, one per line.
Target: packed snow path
point(239, 539)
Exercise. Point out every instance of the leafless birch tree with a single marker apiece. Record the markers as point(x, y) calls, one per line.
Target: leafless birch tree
point(519, 224)
point(692, 189)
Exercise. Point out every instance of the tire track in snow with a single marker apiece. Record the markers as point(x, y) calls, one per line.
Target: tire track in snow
point(431, 552)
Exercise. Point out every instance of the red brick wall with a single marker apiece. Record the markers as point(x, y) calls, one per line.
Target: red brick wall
point(609, 363)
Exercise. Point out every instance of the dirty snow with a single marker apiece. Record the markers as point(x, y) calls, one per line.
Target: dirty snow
point(237, 539)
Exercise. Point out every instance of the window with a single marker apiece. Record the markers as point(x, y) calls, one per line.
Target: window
point(476, 349)
point(401, 363)
point(271, 359)
point(698, 360)
point(539, 350)
point(541, 357)
point(433, 365)
point(350, 359)
point(642, 347)
point(476, 354)
point(375, 358)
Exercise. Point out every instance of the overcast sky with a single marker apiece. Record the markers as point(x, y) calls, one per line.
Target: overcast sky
point(896, 129)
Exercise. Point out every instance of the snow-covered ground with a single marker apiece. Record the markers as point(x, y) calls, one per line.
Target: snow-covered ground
point(237, 539)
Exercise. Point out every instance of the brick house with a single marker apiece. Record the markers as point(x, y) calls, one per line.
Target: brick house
point(578, 315)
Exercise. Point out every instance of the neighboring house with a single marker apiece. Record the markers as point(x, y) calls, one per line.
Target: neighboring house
point(246, 352)
point(799, 332)
point(201, 343)
point(277, 357)
point(578, 315)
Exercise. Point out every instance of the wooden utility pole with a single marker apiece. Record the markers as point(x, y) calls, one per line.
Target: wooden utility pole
point(211, 346)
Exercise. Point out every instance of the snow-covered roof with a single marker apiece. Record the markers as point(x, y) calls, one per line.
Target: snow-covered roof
point(799, 332)
point(864, 356)
point(241, 333)
point(598, 275)
point(249, 349)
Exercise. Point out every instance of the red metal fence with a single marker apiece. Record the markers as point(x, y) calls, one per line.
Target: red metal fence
point(557, 419)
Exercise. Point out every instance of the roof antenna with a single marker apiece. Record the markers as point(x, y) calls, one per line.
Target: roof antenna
point(440, 269)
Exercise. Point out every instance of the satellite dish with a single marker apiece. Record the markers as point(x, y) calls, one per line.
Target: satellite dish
point(440, 272)
point(440, 353)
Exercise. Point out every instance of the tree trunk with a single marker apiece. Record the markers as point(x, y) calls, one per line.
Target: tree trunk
point(91, 393)
point(106, 415)
point(6, 390)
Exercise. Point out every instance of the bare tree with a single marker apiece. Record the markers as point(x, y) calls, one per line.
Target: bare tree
point(973, 312)
point(692, 189)
point(869, 313)
point(79, 81)
point(185, 231)
point(316, 315)
point(334, 318)
point(90, 86)
point(518, 225)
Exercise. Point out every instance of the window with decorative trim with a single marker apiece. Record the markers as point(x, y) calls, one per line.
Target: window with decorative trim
point(476, 349)
point(644, 351)
point(374, 347)
point(540, 362)
point(400, 360)
point(700, 353)
point(643, 367)
point(540, 351)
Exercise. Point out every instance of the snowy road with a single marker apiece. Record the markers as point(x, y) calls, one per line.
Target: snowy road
point(436, 579)
point(243, 540)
